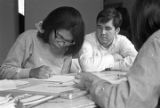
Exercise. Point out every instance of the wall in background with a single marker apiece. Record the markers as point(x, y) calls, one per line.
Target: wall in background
point(36, 10)
point(8, 26)
point(126, 3)
point(125, 7)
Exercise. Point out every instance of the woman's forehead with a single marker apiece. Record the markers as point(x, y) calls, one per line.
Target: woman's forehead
point(66, 34)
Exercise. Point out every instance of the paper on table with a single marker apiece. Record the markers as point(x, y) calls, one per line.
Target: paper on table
point(20, 82)
point(60, 78)
point(3, 100)
point(7, 85)
point(32, 98)
point(48, 88)
point(69, 83)
point(8, 105)
point(38, 100)
point(9, 102)
point(11, 84)
point(81, 102)
point(114, 78)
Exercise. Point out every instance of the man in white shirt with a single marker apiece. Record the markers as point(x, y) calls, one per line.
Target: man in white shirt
point(106, 48)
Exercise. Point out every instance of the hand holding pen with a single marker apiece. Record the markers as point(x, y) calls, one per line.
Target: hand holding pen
point(41, 72)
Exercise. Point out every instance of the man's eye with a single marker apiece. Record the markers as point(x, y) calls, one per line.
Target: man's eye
point(107, 28)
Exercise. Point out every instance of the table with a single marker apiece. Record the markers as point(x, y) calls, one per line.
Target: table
point(59, 102)
point(56, 101)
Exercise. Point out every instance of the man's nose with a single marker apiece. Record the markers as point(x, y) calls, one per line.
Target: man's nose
point(104, 31)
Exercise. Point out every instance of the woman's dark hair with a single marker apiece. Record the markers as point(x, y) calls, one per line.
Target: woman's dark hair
point(145, 20)
point(110, 13)
point(65, 18)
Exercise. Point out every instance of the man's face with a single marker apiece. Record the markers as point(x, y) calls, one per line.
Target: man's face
point(106, 33)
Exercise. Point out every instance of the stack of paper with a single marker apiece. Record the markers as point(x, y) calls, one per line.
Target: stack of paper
point(7, 85)
point(48, 88)
point(60, 78)
point(28, 100)
point(81, 102)
point(34, 100)
point(11, 84)
point(20, 82)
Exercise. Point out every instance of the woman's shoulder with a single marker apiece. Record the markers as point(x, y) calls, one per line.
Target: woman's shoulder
point(28, 35)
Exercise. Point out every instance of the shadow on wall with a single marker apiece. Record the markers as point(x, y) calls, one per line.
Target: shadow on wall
point(8, 26)
point(125, 27)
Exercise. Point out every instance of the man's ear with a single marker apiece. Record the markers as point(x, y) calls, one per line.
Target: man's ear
point(117, 30)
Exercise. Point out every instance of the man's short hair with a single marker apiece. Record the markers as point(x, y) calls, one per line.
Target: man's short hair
point(108, 14)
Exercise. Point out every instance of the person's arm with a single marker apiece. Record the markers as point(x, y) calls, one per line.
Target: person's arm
point(66, 65)
point(141, 90)
point(128, 54)
point(75, 67)
point(12, 67)
point(92, 60)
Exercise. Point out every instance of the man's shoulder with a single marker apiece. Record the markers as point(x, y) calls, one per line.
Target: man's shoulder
point(91, 37)
point(124, 42)
point(122, 38)
point(86, 44)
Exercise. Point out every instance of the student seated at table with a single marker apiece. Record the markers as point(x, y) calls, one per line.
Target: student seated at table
point(142, 89)
point(106, 48)
point(48, 50)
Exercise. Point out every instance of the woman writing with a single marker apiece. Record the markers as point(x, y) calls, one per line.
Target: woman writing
point(48, 50)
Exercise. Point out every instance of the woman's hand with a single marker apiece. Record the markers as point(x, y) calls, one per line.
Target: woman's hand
point(85, 80)
point(41, 72)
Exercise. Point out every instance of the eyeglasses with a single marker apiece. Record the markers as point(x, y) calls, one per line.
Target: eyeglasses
point(60, 38)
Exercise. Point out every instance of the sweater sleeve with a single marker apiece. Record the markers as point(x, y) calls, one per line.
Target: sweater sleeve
point(128, 53)
point(12, 67)
point(141, 90)
point(92, 60)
